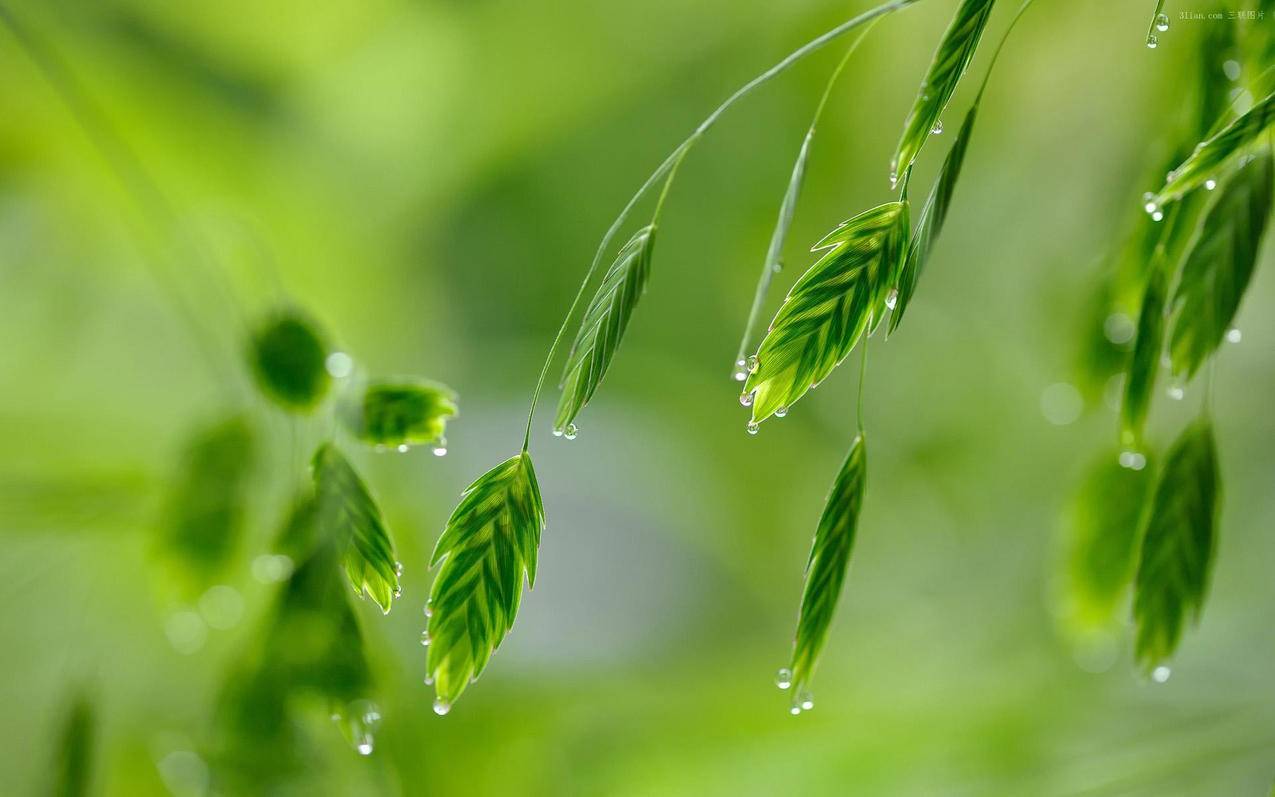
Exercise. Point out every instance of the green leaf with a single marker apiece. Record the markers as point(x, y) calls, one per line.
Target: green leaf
point(930, 224)
point(1211, 156)
point(1145, 363)
point(1177, 545)
point(400, 413)
point(205, 513)
point(826, 567)
point(603, 325)
point(73, 768)
point(1218, 266)
point(953, 56)
point(835, 302)
point(490, 544)
point(348, 516)
point(288, 359)
point(1102, 542)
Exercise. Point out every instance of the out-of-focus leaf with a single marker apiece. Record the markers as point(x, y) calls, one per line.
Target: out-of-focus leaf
point(400, 413)
point(835, 302)
point(953, 55)
point(1177, 545)
point(827, 565)
point(348, 516)
point(1212, 156)
point(206, 510)
point(490, 545)
point(1102, 542)
point(288, 359)
point(603, 325)
point(1218, 266)
point(1145, 363)
point(72, 770)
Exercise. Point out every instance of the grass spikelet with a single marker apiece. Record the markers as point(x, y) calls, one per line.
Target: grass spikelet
point(400, 413)
point(1211, 157)
point(287, 358)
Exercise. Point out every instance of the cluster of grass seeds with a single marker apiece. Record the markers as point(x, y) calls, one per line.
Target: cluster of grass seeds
point(1191, 263)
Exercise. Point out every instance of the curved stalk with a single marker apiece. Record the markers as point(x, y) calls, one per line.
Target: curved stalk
point(673, 160)
point(774, 253)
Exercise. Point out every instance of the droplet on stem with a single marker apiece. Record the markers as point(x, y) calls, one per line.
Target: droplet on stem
point(1233, 335)
point(781, 412)
point(1162, 22)
point(753, 427)
point(1210, 184)
point(1152, 41)
point(892, 298)
point(441, 707)
point(938, 127)
point(571, 431)
point(746, 398)
point(783, 678)
point(1161, 674)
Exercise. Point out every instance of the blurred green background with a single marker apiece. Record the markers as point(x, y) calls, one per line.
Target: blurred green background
point(428, 178)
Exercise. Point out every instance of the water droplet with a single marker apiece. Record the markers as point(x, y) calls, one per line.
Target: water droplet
point(1132, 460)
point(1119, 328)
point(1231, 69)
point(339, 364)
point(894, 177)
point(440, 447)
point(1161, 674)
point(1162, 22)
point(425, 640)
point(1152, 41)
point(429, 610)
point(806, 700)
point(1157, 216)
point(557, 433)
point(740, 374)
point(892, 298)
point(1233, 335)
point(1176, 392)
point(398, 568)
point(778, 266)
point(571, 431)
point(271, 568)
point(1061, 404)
point(429, 680)
point(794, 709)
point(1149, 203)
point(938, 127)
point(402, 448)
point(752, 427)
point(398, 592)
point(781, 412)
point(364, 747)
point(1210, 184)
point(746, 398)
point(783, 678)
point(441, 707)
point(752, 363)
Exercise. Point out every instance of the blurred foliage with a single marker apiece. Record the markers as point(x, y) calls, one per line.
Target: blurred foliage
point(430, 178)
point(400, 414)
point(288, 360)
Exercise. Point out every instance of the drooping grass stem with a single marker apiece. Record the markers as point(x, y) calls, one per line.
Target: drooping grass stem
point(673, 160)
point(775, 252)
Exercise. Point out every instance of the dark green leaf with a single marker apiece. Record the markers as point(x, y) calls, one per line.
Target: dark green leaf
point(1218, 266)
point(288, 359)
point(826, 568)
point(400, 413)
point(347, 515)
point(1211, 156)
point(1102, 542)
point(1145, 363)
point(603, 325)
point(1177, 545)
point(73, 767)
point(953, 56)
point(931, 221)
point(490, 544)
point(205, 515)
point(835, 302)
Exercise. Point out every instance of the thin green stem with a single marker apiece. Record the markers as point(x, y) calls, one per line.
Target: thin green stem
point(775, 252)
point(812, 46)
point(1159, 8)
point(127, 168)
point(863, 374)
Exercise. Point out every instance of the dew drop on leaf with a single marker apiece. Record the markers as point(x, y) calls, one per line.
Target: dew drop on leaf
point(1210, 184)
point(783, 678)
point(571, 431)
point(1162, 22)
point(892, 298)
point(938, 127)
point(752, 427)
point(1152, 42)
point(746, 398)
point(1161, 674)
point(1176, 392)
point(1233, 335)
point(781, 412)
point(441, 707)
point(425, 634)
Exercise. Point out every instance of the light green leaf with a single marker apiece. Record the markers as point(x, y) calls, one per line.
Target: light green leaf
point(1212, 156)
point(349, 516)
point(835, 302)
point(400, 413)
point(603, 325)
point(953, 56)
point(1102, 542)
point(1177, 545)
point(930, 224)
point(490, 544)
point(1218, 266)
point(205, 514)
point(826, 567)
point(288, 359)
